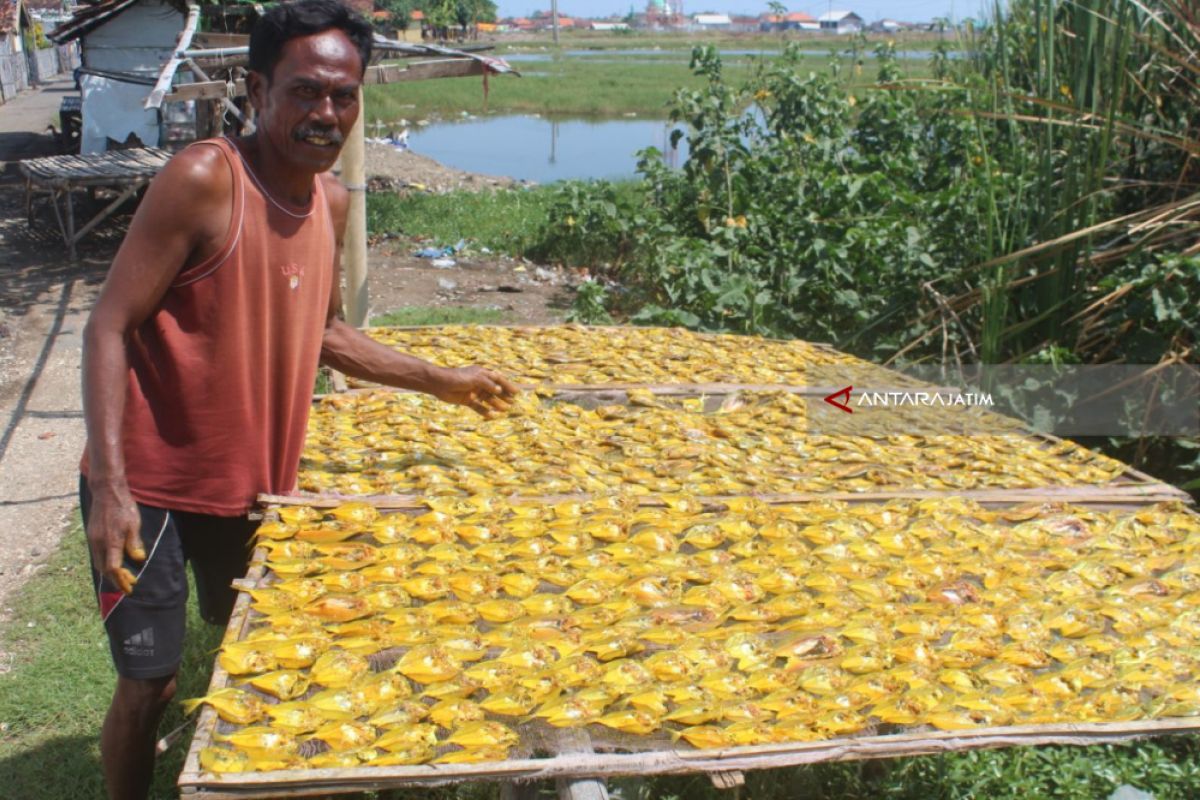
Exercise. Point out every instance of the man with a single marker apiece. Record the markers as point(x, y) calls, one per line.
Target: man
point(201, 353)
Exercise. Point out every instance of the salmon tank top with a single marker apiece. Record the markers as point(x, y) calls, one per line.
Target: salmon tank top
point(222, 373)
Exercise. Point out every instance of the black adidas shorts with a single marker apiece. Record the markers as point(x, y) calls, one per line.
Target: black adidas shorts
point(145, 629)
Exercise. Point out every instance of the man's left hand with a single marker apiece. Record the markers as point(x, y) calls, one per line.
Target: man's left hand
point(477, 388)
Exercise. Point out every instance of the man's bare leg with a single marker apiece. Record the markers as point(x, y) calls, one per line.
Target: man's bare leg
point(129, 735)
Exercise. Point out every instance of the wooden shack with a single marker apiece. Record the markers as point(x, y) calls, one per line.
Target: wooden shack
point(124, 45)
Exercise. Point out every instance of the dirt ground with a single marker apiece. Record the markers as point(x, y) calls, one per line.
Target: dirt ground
point(521, 291)
point(44, 301)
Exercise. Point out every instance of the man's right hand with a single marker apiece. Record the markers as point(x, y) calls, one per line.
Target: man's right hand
point(113, 531)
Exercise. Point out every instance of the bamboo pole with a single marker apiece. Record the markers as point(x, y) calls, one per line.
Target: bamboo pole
point(355, 245)
point(1080, 495)
point(297, 783)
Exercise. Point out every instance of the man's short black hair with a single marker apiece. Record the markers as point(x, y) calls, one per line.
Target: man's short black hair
point(290, 20)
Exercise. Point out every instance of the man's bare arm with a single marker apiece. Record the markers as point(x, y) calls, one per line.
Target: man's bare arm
point(175, 226)
point(352, 352)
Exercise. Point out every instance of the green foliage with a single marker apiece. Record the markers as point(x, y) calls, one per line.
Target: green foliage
point(593, 222)
point(781, 218)
point(589, 306)
point(442, 15)
point(962, 219)
point(401, 11)
point(1167, 768)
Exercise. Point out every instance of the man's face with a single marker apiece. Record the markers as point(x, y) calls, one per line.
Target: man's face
point(310, 104)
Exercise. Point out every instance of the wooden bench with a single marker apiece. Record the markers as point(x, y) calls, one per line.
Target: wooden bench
point(123, 171)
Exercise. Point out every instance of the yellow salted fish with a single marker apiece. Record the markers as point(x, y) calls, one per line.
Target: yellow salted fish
point(232, 705)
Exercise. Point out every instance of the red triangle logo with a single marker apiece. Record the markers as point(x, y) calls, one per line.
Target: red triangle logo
point(833, 400)
point(108, 601)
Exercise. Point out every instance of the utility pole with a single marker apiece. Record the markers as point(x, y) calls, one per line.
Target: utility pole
point(554, 19)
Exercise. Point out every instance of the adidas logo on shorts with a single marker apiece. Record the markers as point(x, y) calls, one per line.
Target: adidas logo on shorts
point(140, 644)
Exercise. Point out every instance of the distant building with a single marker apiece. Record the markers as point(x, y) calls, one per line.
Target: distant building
point(795, 21)
point(661, 14)
point(799, 21)
point(840, 22)
point(744, 24)
point(887, 26)
point(712, 22)
point(610, 26)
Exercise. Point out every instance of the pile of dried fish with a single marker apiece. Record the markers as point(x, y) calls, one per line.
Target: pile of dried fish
point(573, 354)
point(447, 634)
point(388, 443)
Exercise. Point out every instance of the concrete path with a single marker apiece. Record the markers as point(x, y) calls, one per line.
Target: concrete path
point(44, 302)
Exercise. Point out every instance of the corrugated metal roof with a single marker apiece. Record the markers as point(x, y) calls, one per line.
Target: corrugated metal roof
point(89, 17)
point(86, 18)
point(837, 16)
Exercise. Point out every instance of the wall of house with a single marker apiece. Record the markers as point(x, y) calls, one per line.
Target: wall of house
point(14, 71)
point(43, 65)
point(136, 42)
point(139, 39)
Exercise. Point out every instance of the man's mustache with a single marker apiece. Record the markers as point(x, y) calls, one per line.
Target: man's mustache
point(332, 134)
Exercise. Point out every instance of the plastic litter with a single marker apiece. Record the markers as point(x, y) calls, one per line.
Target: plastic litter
point(397, 141)
point(441, 252)
point(444, 263)
point(1127, 792)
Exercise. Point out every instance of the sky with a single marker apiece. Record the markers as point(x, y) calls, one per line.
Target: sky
point(907, 10)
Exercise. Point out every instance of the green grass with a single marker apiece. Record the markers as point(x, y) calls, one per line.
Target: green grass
point(454, 315)
point(574, 87)
point(566, 86)
point(504, 221)
point(54, 698)
point(595, 40)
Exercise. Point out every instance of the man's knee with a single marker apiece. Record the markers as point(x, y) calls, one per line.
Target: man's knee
point(144, 696)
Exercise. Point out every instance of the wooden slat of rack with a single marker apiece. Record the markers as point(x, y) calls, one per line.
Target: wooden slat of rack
point(661, 389)
point(239, 621)
point(323, 781)
point(1129, 494)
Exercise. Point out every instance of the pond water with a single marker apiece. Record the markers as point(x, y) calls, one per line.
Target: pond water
point(545, 150)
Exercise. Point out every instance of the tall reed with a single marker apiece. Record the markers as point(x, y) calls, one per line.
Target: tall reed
point(1097, 104)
